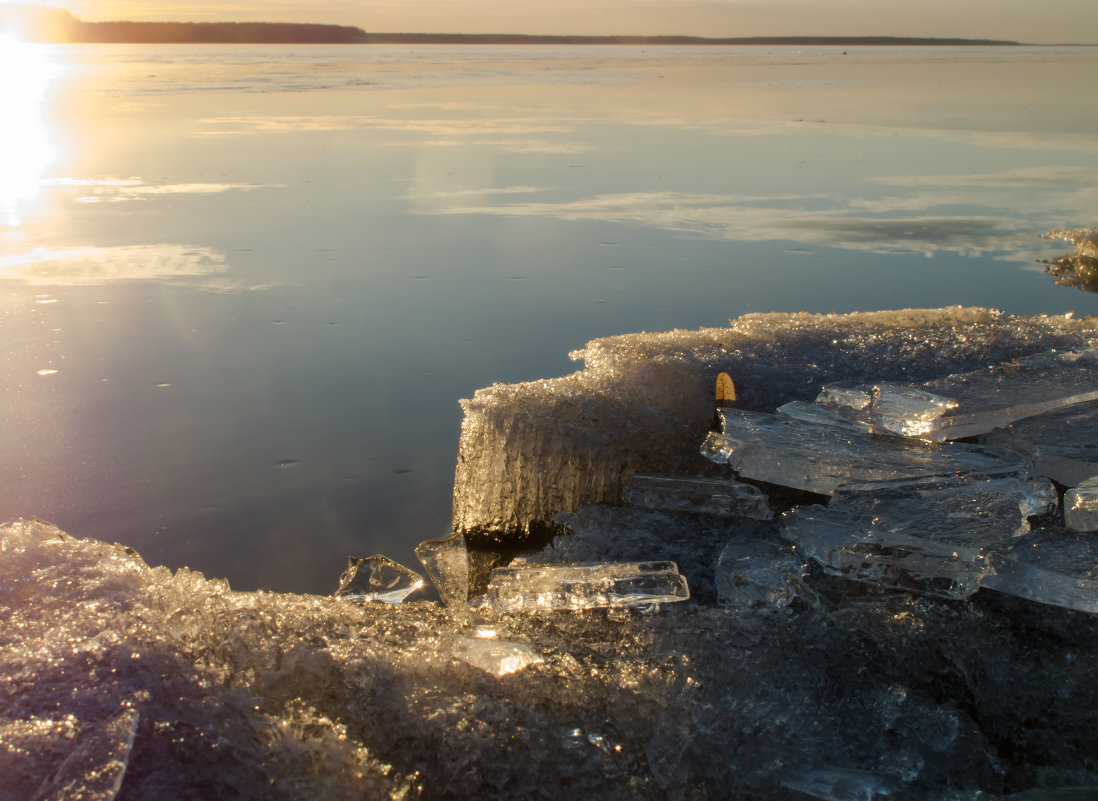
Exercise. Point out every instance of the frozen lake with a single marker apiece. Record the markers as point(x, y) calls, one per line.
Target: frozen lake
point(244, 287)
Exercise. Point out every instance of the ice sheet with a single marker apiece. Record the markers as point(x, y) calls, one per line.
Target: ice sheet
point(972, 403)
point(819, 458)
point(932, 535)
point(1052, 566)
point(642, 402)
point(533, 588)
point(1063, 444)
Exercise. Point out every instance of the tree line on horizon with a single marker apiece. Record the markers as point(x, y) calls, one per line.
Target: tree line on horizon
point(57, 26)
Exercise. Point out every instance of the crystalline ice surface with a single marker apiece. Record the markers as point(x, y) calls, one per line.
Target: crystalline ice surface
point(543, 588)
point(814, 413)
point(967, 404)
point(1063, 444)
point(1051, 566)
point(720, 497)
point(447, 563)
point(758, 573)
point(1081, 506)
point(819, 458)
point(933, 535)
point(377, 578)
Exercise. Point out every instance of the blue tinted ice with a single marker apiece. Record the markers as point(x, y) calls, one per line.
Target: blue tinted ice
point(931, 535)
point(1050, 566)
point(1063, 444)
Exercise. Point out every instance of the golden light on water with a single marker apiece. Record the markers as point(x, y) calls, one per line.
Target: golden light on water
point(26, 145)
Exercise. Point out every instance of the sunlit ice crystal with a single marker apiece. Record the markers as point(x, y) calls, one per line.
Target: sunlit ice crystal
point(1063, 444)
point(968, 404)
point(1051, 566)
point(719, 497)
point(820, 458)
point(543, 588)
point(930, 535)
point(447, 563)
point(1081, 506)
point(494, 655)
point(814, 413)
point(377, 578)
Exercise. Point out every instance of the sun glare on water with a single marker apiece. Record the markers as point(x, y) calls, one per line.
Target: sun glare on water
point(26, 144)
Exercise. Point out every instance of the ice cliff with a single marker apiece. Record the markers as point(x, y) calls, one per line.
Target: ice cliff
point(778, 679)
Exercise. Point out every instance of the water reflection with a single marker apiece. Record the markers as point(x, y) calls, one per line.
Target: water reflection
point(27, 146)
point(84, 266)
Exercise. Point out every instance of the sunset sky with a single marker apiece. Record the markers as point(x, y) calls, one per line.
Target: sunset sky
point(1023, 20)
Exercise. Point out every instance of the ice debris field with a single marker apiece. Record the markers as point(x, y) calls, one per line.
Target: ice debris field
point(870, 576)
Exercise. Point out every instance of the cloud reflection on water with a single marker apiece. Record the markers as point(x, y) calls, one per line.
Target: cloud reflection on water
point(85, 266)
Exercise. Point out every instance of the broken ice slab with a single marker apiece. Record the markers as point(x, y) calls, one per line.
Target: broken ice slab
point(1081, 506)
point(499, 657)
point(543, 587)
point(967, 404)
point(930, 535)
point(1050, 566)
point(95, 768)
point(758, 573)
point(713, 496)
point(447, 563)
point(1063, 444)
point(377, 578)
point(819, 458)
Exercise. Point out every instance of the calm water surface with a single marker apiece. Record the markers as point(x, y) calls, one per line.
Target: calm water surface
point(242, 288)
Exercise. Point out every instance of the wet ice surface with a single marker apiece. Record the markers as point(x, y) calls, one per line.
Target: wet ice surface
point(776, 680)
point(1062, 444)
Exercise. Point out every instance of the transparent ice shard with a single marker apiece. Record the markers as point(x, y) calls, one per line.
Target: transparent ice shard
point(377, 578)
point(1050, 566)
point(832, 783)
point(543, 588)
point(967, 404)
point(95, 768)
point(814, 413)
point(1063, 444)
point(1081, 506)
point(495, 655)
point(713, 496)
point(758, 573)
point(447, 563)
point(819, 458)
point(930, 535)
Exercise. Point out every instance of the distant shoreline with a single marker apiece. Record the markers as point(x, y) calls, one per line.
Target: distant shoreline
point(56, 26)
point(535, 39)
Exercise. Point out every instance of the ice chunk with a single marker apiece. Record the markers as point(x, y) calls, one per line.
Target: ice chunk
point(1051, 566)
point(720, 497)
point(447, 563)
point(543, 588)
point(967, 404)
point(377, 578)
point(95, 768)
point(931, 535)
point(758, 573)
point(819, 458)
point(494, 655)
point(1063, 444)
point(1081, 506)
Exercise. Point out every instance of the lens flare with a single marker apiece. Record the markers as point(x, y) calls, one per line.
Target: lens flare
point(26, 144)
